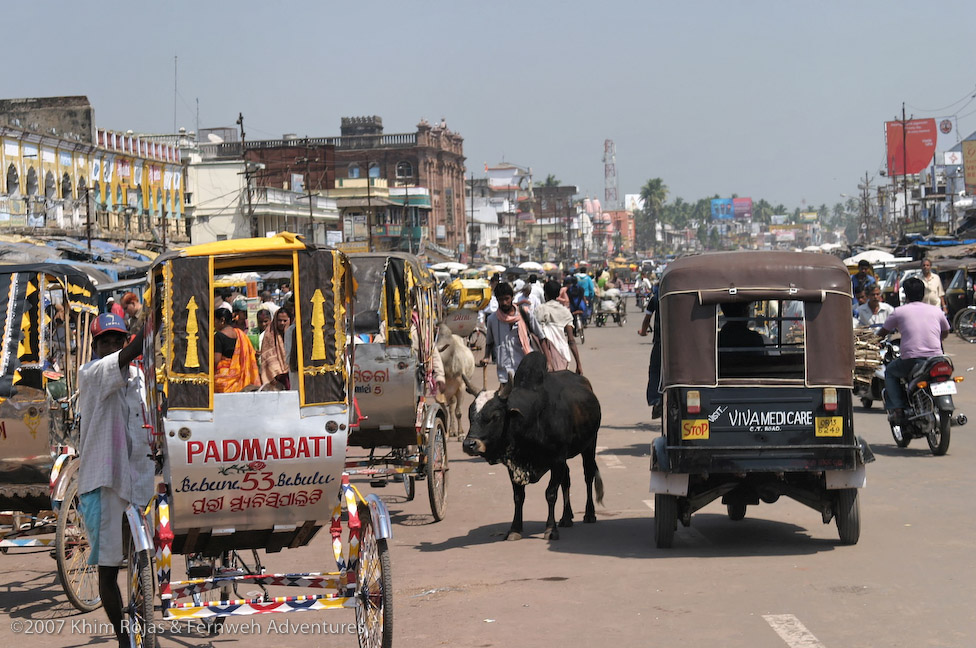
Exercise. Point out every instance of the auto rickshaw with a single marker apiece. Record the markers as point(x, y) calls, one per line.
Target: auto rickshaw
point(46, 312)
point(463, 301)
point(248, 466)
point(752, 416)
point(401, 425)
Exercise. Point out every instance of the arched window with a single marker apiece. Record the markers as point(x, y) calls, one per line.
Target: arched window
point(119, 199)
point(50, 186)
point(404, 169)
point(13, 181)
point(353, 170)
point(66, 186)
point(31, 182)
point(374, 170)
point(82, 190)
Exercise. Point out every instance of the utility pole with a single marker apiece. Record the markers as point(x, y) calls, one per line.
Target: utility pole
point(471, 228)
point(308, 187)
point(88, 232)
point(247, 179)
point(369, 208)
point(904, 155)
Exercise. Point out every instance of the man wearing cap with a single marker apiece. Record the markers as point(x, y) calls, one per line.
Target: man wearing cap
point(114, 307)
point(116, 469)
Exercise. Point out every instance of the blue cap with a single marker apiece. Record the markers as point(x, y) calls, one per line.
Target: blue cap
point(108, 323)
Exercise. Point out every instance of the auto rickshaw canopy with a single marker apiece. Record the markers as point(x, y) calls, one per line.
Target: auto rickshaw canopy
point(692, 287)
point(472, 294)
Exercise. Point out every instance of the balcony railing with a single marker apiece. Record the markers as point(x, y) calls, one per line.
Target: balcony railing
point(234, 149)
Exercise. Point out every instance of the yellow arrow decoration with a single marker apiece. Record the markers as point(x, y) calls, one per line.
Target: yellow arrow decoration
point(192, 359)
point(318, 325)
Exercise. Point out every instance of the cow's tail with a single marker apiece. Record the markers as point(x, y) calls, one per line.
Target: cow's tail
point(468, 386)
point(598, 486)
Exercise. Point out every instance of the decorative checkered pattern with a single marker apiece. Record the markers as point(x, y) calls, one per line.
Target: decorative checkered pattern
point(164, 546)
point(257, 606)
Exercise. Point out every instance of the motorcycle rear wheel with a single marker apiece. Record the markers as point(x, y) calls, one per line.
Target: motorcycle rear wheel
point(938, 438)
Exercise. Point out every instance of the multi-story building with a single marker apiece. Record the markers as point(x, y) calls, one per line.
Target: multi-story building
point(62, 173)
point(432, 157)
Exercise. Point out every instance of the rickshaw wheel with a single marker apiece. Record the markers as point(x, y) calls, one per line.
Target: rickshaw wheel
point(665, 519)
point(965, 324)
point(410, 486)
point(866, 403)
point(374, 588)
point(848, 516)
point(736, 511)
point(140, 595)
point(436, 470)
point(78, 578)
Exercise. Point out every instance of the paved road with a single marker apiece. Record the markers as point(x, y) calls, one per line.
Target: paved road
point(777, 579)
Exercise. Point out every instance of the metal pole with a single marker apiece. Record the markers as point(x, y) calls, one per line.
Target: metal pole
point(88, 232)
point(904, 154)
point(471, 228)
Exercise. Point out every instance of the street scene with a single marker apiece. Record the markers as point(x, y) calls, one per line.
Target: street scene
point(779, 577)
point(473, 325)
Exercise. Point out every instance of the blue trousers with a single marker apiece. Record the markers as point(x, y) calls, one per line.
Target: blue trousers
point(896, 371)
point(654, 376)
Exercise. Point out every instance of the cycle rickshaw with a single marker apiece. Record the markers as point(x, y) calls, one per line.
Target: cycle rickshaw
point(401, 424)
point(463, 301)
point(46, 312)
point(255, 469)
point(749, 417)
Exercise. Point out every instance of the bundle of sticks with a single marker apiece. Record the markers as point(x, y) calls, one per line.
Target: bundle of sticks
point(867, 354)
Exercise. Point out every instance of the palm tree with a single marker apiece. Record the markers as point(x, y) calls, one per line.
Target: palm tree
point(550, 181)
point(654, 193)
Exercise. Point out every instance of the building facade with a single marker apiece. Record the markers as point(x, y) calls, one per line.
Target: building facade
point(60, 172)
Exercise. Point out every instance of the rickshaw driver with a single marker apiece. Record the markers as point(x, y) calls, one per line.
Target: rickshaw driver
point(735, 333)
point(923, 327)
point(115, 468)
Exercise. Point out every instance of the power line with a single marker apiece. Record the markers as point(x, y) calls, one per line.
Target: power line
point(935, 110)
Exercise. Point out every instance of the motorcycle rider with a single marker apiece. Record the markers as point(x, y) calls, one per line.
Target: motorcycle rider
point(922, 327)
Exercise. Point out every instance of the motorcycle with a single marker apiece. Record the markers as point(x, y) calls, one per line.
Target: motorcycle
point(929, 411)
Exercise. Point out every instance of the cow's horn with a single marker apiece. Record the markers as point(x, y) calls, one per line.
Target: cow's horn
point(468, 386)
point(505, 389)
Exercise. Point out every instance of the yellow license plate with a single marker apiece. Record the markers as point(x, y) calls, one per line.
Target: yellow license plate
point(694, 429)
point(830, 426)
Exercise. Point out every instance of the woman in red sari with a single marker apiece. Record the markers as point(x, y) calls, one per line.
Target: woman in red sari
point(235, 363)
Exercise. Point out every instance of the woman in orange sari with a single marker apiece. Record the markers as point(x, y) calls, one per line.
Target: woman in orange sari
point(274, 360)
point(236, 366)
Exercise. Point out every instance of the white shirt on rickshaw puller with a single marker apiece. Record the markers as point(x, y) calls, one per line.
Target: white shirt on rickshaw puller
point(114, 446)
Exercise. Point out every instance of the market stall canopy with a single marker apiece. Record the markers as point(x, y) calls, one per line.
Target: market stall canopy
point(449, 266)
point(871, 256)
point(531, 266)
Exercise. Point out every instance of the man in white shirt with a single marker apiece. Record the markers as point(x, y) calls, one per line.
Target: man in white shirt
point(934, 293)
point(116, 469)
point(873, 311)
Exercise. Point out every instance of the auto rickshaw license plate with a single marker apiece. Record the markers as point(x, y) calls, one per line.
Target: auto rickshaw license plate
point(694, 429)
point(830, 426)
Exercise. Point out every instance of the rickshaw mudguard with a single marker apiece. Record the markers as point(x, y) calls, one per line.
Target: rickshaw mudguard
point(380, 515)
point(65, 469)
point(662, 479)
point(432, 409)
point(140, 534)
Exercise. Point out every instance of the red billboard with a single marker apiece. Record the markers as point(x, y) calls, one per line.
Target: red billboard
point(742, 207)
point(920, 137)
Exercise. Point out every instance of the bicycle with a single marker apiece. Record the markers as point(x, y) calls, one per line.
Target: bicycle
point(964, 324)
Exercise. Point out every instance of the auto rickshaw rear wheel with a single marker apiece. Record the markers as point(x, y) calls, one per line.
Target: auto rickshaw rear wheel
point(847, 514)
point(665, 519)
point(736, 511)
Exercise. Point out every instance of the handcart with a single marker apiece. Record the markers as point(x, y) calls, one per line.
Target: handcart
point(45, 314)
point(463, 301)
point(610, 306)
point(253, 469)
point(401, 425)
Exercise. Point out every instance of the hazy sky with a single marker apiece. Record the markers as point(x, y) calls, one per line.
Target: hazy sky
point(778, 100)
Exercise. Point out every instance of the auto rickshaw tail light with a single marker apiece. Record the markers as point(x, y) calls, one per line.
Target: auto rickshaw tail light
point(830, 399)
point(693, 402)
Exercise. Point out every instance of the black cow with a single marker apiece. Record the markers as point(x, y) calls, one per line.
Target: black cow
point(534, 424)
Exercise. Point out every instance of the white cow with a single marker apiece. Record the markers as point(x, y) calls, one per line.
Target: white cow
point(458, 368)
